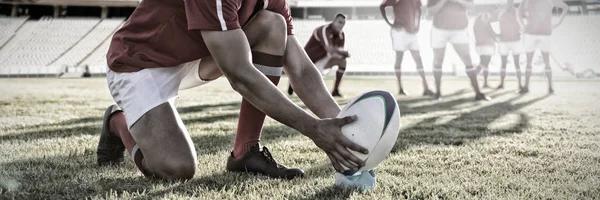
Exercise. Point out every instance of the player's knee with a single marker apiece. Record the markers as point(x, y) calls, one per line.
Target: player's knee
point(466, 59)
point(273, 23)
point(397, 66)
point(343, 63)
point(176, 169)
point(269, 33)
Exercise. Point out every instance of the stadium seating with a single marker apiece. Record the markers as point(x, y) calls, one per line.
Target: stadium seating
point(89, 43)
point(9, 28)
point(47, 45)
point(48, 40)
point(575, 43)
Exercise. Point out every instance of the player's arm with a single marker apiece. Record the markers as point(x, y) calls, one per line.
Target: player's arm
point(329, 47)
point(341, 53)
point(522, 8)
point(521, 14)
point(491, 31)
point(382, 10)
point(231, 51)
point(308, 83)
point(434, 8)
point(419, 13)
point(496, 16)
point(563, 11)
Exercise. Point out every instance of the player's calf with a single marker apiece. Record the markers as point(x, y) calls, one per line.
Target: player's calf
point(341, 63)
point(267, 37)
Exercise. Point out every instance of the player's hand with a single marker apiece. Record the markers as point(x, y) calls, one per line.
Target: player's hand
point(328, 136)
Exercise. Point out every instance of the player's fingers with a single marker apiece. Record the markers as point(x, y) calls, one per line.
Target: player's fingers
point(353, 146)
point(342, 160)
point(346, 120)
point(350, 157)
point(335, 163)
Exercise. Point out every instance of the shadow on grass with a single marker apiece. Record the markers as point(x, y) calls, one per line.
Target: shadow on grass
point(69, 176)
point(467, 126)
point(92, 125)
point(224, 180)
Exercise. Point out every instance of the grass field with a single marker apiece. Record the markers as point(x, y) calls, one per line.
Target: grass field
point(530, 146)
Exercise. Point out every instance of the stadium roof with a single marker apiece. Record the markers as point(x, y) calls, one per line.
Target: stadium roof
point(292, 3)
point(111, 3)
point(376, 3)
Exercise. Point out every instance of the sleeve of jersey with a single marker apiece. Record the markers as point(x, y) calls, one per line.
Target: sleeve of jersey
point(281, 7)
point(322, 36)
point(217, 15)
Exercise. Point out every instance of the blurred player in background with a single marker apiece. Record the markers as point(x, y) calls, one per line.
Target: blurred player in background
point(450, 23)
point(510, 40)
point(485, 43)
point(407, 18)
point(326, 50)
point(537, 16)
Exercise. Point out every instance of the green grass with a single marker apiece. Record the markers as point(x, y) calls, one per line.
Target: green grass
point(532, 146)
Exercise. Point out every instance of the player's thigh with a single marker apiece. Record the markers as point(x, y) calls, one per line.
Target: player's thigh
point(463, 52)
point(335, 62)
point(323, 65)
point(438, 56)
point(399, 57)
point(485, 60)
point(516, 59)
point(546, 58)
point(416, 55)
point(504, 59)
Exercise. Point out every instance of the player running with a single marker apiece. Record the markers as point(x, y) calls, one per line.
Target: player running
point(450, 26)
point(407, 20)
point(538, 29)
point(485, 43)
point(325, 48)
point(166, 46)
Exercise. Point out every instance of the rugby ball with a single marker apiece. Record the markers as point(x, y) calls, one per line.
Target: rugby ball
point(376, 127)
